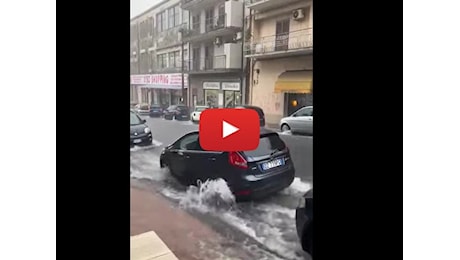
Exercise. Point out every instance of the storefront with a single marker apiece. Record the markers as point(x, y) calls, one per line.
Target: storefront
point(161, 89)
point(281, 86)
point(221, 94)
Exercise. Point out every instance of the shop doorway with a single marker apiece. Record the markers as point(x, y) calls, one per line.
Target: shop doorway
point(232, 98)
point(295, 101)
point(211, 97)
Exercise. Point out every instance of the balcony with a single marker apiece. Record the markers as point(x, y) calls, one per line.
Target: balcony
point(216, 64)
point(169, 38)
point(281, 45)
point(218, 26)
point(146, 42)
point(262, 5)
point(197, 4)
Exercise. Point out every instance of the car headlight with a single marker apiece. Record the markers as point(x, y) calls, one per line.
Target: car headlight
point(147, 130)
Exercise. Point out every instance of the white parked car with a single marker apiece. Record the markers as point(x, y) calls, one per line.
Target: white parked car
point(300, 121)
point(195, 115)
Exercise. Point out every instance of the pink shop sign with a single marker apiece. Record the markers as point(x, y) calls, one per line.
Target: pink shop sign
point(173, 79)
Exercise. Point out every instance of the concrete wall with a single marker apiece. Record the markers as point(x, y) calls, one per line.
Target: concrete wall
point(263, 84)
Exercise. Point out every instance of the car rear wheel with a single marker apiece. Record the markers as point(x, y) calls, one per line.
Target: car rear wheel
point(285, 128)
point(307, 240)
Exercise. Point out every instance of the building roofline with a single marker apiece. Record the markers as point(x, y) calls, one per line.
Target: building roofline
point(148, 10)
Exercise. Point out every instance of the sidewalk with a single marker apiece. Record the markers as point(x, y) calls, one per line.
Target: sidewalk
point(184, 235)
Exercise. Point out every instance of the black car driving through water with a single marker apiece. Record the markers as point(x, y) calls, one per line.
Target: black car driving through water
point(177, 112)
point(140, 133)
point(304, 221)
point(249, 174)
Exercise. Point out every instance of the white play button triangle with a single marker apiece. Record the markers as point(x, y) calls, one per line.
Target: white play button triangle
point(228, 129)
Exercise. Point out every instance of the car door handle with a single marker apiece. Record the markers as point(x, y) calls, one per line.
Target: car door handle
point(180, 153)
point(212, 159)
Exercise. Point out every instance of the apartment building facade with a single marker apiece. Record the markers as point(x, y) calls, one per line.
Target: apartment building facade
point(156, 55)
point(279, 45)
point(215, 62)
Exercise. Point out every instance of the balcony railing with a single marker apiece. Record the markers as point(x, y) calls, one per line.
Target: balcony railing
point(295, 40)
point(215, 23)
point(249, 2)
point(206, 64)
point(146, 42)
point(211, 24)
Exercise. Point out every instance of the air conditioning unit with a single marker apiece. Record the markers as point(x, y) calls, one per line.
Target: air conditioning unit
point(218, 41)
point(298, 14)
point(238, 36)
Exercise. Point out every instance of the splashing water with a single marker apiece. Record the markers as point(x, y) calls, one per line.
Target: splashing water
point(211, 195)
point(147, 166)
point(297, 188)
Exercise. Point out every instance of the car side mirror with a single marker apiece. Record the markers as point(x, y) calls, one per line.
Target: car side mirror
point(144, 121)
point(294, 115)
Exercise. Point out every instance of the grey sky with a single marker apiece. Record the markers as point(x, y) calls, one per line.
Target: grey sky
point(139, 6)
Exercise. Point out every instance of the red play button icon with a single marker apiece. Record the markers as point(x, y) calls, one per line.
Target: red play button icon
point(229, 129)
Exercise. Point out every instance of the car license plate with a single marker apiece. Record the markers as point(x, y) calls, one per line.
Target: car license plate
point(272, 164)
point(136, 141)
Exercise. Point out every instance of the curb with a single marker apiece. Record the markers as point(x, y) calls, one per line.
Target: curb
point(148, 246)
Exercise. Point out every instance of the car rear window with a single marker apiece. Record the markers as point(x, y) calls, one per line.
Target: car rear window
point(182, 108)
point(267, 145)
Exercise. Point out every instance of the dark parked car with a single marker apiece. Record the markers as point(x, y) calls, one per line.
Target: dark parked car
point(304, 221)
point(249, 174)
point(177, 112)
point(259, 111)
point(156, 111)
point(139, 133)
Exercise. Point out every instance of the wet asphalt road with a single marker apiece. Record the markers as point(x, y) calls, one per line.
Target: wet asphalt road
point(267, 226)
point(301, 147)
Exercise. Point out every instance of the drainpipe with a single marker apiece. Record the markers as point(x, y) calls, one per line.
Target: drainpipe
point(243, 90)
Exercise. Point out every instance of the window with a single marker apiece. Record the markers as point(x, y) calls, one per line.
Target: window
point(282, 35)
point(159, 23)
point(171, 60)
point(150, 27)
point(209, 14)
point(177, 16)
point(162, 60)
point(196, 22)
point(171, 17)
point(189, 142)
point(267, 145)
point(152, 60)
point(164, 21)
point(177, 59)
point(308, 111)
point(134, 119)
point(185, 17)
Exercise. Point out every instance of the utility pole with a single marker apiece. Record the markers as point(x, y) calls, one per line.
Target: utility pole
point(243, 90)
point(184, 100)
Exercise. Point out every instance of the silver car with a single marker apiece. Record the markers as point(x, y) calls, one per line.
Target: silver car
point(300, 121)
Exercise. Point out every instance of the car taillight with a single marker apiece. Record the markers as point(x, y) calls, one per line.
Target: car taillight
point(237, 160)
